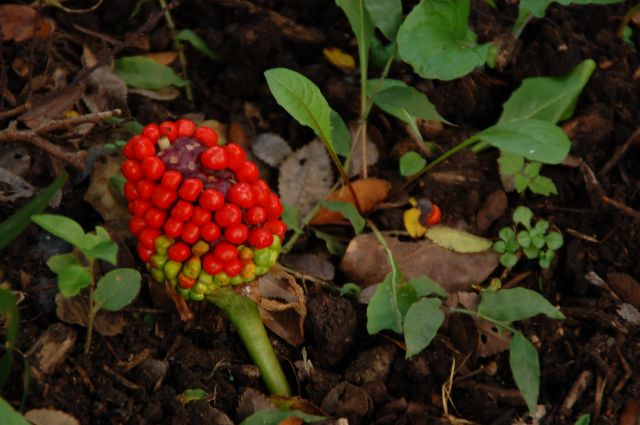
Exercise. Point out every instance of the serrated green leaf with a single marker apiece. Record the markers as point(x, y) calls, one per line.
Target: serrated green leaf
point(457, 240)
point(554, 240)
point(117, 289)
point(421, 324)
point(521, 183)
point(510, 163)
point(10, 416)
point(437, 42)
point(525, 367)
point(524, 240)
point(267, 417)
point(425, 286)
point(509, 305)
point(302, 99)
point(386, 15)
point(549, 99)
point(331, 242)
point(534, 139)
point(192, 394)
point(340, 134)
point(523, 215)
point(72, 279)
point(197, 42)
point(532, 169)
point(508, 259)
point(100, 246)
point(62, 227)
point(411, 163)
point(349, 211)
point(145, 73)
point(543, 185)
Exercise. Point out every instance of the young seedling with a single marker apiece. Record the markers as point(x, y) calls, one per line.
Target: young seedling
point(205, 224)
point(113, 291)
point(534, 241)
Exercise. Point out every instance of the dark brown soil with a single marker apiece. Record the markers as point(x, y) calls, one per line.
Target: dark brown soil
point(134, 377)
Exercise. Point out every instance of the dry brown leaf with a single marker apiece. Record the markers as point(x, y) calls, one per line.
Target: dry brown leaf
point(281, 303)
point(625, 286)
point(311, 264)
point(270, 148)
point(52, 105)
point(370, 193)
point(163, 58)
point(305, 176)
point(252, 401)
point(50, 417)
point(366, 262)
point(293, 420)
point(99, 194)
point(105, 90)
point(17, 22)
point(167, 93)
point(75, 311)
point(355, 166)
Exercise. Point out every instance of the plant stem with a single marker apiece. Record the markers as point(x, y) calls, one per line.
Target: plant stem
point(305, 222)
point(498, 323)
point(178, 46)
point(243, 314)
point(91, 312)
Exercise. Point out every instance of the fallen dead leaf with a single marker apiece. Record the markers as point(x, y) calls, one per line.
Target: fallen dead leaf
point(305, 176)
point(492, 209)
point(17, 23)
point(99, 194)
point(311, 264)
point(341, 60)
point(270, 148)
point(625, 286)
point(52, 106)
point(252, 401)
point(366, 262)
point(167, 93)
point(370, 193)
point(163, 58)
point(50, 417)
point(105, 90)
point(51, 350)
point(74, 311)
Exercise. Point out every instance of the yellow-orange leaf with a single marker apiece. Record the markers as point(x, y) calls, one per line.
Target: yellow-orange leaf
point(17, 22)
point(163, 58)
point(370, 193)
point(340, 59)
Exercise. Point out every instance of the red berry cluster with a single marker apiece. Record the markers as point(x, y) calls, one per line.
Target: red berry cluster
point(206, 201)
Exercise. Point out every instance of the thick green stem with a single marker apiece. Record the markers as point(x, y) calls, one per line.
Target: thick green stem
point(243, 314)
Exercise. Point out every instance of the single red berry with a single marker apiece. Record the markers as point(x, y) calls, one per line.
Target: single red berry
point(131, 191)
point(145, 188)
point(241, 194)
point(179, 252)
point(255, 215)
point(163, 198)
point(260, 195)
point(273, 206)
point(247, 172)
point(155, 218)
point(137, 225)
point(228, 215)
point(148, 237)
point(207, 136)
point(225, 252)
point(144, 253)
point(128, 148)
point(153, 168)
point(173, 227)
point(276, 227)
point(144, 148)
point(211, 264)
point(211, 199)
point(171, 180)
point(152, 131)
point(235, 156)
point(214, 158)
point(185, 127)
point(191, 189)
point(190, 233)
point(233, 267)
point(131, 170)
point(435, 216)
point(236, 234)
point(201, 216)
point(260, 238)
point(182, 211)
point(169, 129)
point(185, 281)
point(210, 231)
point(139, 207)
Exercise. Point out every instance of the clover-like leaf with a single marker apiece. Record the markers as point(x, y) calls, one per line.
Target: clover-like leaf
point(554, 240)
point(507, 234)
point(524, 240)
point(508, 259)
point(499, 246)
point(531, 252)
point(523, 215)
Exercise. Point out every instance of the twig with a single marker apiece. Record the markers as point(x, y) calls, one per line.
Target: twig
point(598, 196)
point(15, 111)
point(188, 91)
point(70, 122)
point(577, 389)
point(619, 153)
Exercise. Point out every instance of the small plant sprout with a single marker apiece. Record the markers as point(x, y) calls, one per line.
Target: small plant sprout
point(113, 291)
point(534, 241)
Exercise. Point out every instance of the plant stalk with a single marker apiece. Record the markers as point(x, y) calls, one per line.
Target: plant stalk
point(188, 91)
point(91, 312)
point(243, 314)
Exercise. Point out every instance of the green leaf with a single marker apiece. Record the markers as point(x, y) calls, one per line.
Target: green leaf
point(532, 169)
point(57, 263)
point(349, 211)
point(499, 246)
point(549, 99)
point(386, 16)
point(411, 163)
point(584, 420)
point(425, 286)
point(509, 305)
point(507, 234)
point(421, 324)
point(523, 215)
point(20, 220)
point(457, 240)
point(361, 26)
point(436, 41)
point(340, 134)
point(192, 394)
point(508, 259)
point(291, 217)
point(541, 227)
point(10, 416)
point(531, 252)
point(72, 279)
point(145, 73)
point(62, 227)
point(510, 164)
point(350, 289)
point(268, 417)
point(383, 311)
point(333, 245)
point(117, 289)
point(10, 320)
point(405, 103)
point(534, 139)
point(538, 241)
point(100, 246)
point(116, 184)
point(198, 43)
point(525, 367)
point(302, 99)
point(543, 186)
point(521, 183)
point(554, 240)
point(524, 240)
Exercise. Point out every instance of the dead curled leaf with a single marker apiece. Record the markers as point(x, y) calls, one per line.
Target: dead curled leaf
point(99, 194)
point(74, 311)
point(17, 23)
point(366, 262)
point(50, 417)
point(370, 193)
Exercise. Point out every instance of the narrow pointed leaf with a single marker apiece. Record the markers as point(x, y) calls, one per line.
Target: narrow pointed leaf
point(509, 305)
point(525, 367)
point(421, 324)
